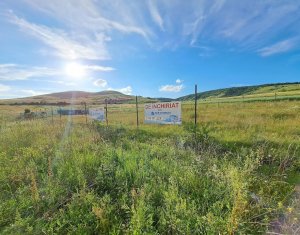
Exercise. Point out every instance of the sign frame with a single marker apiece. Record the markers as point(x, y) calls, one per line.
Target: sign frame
point(163, 113)
point(97, 114)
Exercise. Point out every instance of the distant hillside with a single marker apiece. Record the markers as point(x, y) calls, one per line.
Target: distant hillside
point(265, 90)
point(162, 99)
point(77, 97)
point(251, 93)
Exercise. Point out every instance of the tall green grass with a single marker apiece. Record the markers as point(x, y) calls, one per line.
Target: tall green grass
point(228, 175)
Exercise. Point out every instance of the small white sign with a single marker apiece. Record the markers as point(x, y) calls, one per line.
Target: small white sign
point(163, 113)
point(97, 114)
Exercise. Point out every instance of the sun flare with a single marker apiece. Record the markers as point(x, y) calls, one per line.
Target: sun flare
point(75, 70)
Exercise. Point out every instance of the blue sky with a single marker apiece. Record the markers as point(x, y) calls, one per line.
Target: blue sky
point(157, 48)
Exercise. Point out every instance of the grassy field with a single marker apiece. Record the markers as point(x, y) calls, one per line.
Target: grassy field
point(267, 92)
point(236, 175)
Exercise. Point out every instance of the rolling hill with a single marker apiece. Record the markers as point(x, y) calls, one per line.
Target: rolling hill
point(249, 92)
point(258, 92)
point(77, 97)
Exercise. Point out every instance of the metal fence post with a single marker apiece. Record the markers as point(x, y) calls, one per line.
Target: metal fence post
point(52, 115)
point(195, 105)
point(85, 111)
point(106, 112)
point(137, 112)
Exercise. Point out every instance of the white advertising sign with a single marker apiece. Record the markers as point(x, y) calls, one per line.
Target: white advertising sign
point(97, 114)
point(163, 113)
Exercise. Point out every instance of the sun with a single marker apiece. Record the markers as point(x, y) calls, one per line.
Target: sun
point(75, 70)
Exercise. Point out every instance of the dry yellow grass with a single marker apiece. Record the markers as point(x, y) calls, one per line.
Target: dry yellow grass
point(277, 122)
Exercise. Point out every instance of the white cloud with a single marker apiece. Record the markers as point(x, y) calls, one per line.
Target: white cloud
point(95, 16)
point(98, 68)
point(279, 47)
point(90, 25)
point(4, 66)
point(171, 88)
point(11, 72)
point(4, 88)
point(155, 14)
point(100, 83)
point(178, 81)
point(62, 43)
point(126, 90)
point(32, 92)
point(15, 92)
point(247, 24)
